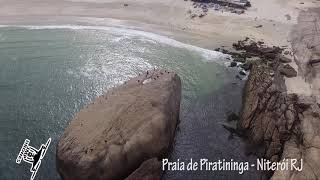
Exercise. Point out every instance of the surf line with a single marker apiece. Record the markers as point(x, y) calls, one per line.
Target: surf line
point(209, 55)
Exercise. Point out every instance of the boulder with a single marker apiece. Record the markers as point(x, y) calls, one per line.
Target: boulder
point(233, 64)
point(288, 71)
point(240, 59)
point(123, 129)
point(242, 72)
point(284, 59)
point(286, 52)
point(232, 117)
point(246, 66)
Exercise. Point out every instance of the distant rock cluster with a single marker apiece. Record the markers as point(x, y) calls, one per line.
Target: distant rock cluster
point(247, 51)
point(203, 6)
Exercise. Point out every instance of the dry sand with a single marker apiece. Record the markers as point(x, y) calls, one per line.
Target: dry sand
point(305, 44)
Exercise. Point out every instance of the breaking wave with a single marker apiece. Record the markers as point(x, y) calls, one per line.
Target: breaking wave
point(208, 55)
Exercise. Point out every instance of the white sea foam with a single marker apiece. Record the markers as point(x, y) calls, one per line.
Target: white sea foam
point(209, 55)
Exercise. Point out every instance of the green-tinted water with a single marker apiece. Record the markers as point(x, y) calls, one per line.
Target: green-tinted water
point(46, 75)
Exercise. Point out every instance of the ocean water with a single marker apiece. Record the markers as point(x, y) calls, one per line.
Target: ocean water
point(48, 73)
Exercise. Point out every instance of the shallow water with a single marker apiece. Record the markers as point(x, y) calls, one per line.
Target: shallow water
point(49, 73)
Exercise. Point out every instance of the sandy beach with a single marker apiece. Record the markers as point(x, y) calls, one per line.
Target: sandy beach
point(165, 17)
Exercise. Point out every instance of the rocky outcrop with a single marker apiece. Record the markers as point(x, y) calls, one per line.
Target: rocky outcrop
point(284, 59)
point(282, 125)
point(269, 115)
point(116, 136)
point(246, 51)
point(288, 71)
point(305, 144)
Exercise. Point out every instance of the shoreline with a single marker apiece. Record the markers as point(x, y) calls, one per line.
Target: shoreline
point(166, 17)
point(186, 37)
point(208, 54)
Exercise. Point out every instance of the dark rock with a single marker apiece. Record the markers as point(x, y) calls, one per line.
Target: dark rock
point(233, 117)
point(288, 71)
point(253, 49)
point(243, 73)
point(288, 17)
point(238, 77)
point(240, 59)
point(270, 55)
point(233, 64)
point(246, 66)
point(260, 43)
point(202, 15)
point(224, 51)
point(232, 129)
point(193, 16)
point(125, 5)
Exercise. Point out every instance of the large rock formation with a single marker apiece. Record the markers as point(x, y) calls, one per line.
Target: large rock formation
point(131, 126)
point(283, 125)
point(305, 144)
point(269, 114)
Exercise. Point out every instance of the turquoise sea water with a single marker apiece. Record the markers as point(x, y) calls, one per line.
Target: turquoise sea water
point(48, 73)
